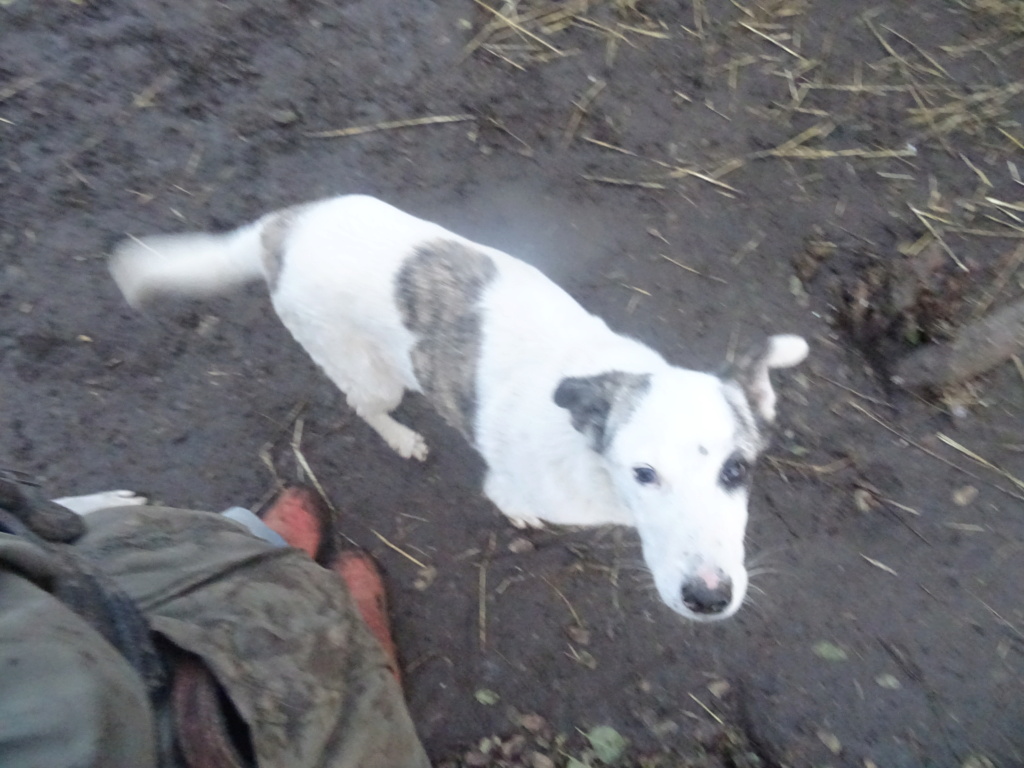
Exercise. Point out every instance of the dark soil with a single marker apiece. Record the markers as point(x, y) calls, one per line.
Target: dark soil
point(885, 627)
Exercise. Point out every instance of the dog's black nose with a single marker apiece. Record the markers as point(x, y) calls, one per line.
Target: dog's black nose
point(700, 596)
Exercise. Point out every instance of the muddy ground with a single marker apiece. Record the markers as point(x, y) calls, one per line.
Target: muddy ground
point(885, 627)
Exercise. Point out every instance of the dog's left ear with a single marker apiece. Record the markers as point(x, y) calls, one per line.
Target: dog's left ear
point(750, 370)
point(599, 404)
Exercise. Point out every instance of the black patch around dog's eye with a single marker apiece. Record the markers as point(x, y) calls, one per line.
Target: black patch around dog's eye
point(645, 475)
point(734, 473)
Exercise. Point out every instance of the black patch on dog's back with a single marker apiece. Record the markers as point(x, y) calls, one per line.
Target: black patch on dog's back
point(437, 292)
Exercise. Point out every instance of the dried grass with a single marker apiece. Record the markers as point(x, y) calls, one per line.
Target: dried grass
point(522, 33)
point(1008, 14)
point(390, 125)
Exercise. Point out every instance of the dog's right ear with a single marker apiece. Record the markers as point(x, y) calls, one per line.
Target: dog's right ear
point(750, 370)
point(599, 404)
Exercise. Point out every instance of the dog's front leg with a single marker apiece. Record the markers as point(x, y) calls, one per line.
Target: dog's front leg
point(405, 442)
point(505, 497)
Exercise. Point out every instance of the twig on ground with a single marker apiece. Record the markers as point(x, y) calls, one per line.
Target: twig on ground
point(931, 453)
point(980, 459)
point(676, 171)
point(817, 469)
point(616, 182)
point(772, 40)
point(580, 110)
point(519, 28)
point(265, 450)
point(878, 564)
point(397, 548)
point(927, 56)
point(391, 125)
point(845, 388)
point(575, 616)
point(691, 269)
point(707, 709)
point(924, 218)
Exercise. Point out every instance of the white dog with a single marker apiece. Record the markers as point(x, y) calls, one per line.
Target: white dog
point(578, 425)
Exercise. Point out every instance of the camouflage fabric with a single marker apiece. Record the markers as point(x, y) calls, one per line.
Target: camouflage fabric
point(280, 634)
point(67, 697)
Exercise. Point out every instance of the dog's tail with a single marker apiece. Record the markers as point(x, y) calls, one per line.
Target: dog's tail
point(197, 264)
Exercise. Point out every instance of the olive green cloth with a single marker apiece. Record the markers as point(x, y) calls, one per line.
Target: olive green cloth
point(279, 633)
point(67, 697)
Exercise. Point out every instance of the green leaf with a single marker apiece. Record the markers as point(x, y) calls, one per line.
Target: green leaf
point(829, 651)
point(487, 697)
point(607, 743)
point(888, 681)
point(831, 741)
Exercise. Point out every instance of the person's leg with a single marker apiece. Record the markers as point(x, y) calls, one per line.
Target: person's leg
point(67, 697)
point(363, 579)
point(255, 525)
point(297, 516)
point(281, 634)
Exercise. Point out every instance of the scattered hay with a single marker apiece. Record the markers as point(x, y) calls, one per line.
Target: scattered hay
point(970, 113)
point(1009, 14)
point(897, 301)
point(953, 465)
point(964, 99)
point(521, 33)
point(580, 109)
point(980, 460)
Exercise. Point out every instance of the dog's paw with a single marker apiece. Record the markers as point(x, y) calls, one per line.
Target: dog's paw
point(419, 449)
point(523, 522)
point(84, 505)
point(412, 446)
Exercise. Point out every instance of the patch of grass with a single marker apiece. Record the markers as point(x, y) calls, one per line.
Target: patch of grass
point(1008, 13)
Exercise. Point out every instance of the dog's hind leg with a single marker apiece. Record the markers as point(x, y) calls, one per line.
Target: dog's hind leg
point(371, 381)
point(373, 388)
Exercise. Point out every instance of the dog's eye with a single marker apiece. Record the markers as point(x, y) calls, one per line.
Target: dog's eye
point(645, 475)
point(734, 472)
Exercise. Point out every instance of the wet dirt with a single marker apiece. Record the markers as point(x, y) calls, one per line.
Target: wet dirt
point(886, 623)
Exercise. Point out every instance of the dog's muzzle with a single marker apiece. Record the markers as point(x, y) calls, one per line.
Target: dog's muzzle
point(707, 593)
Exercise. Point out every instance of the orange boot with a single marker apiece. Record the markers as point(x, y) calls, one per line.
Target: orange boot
point(363, 579)
point(298, 515)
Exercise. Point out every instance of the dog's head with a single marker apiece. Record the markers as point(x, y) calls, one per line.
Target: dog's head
point(679, 447)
